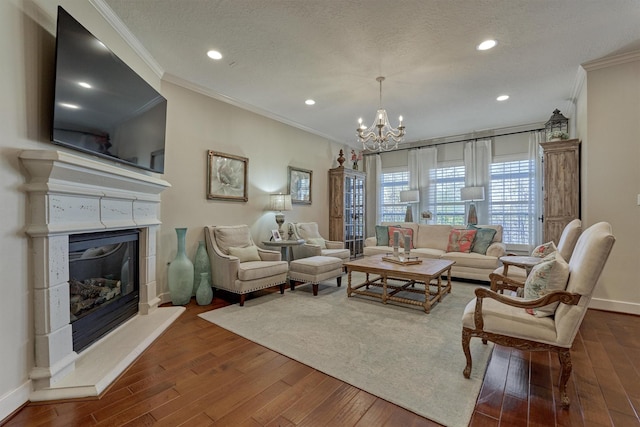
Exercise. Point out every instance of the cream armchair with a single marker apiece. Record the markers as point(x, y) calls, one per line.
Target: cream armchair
point(315, 244)
point(238, 265)
point(504, 320)
point(516, 276)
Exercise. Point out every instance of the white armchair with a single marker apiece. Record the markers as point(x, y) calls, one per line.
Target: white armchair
point(238, 265)
point(504, 319)
point(315, 244)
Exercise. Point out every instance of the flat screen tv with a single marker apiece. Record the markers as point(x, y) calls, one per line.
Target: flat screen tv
point(101, 106)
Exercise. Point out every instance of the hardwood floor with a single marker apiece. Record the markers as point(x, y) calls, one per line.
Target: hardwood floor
point(198, 374)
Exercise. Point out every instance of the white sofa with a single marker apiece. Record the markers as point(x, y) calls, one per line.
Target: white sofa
point(431, 241)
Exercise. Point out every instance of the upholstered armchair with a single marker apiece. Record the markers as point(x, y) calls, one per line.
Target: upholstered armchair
point(238, 265)
point(315, 244)
point(507, 321)
point(516, 276)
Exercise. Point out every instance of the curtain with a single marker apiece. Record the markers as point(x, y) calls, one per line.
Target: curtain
point(373, 167)
point(477, 165)
point(421, 162)
point(537, 203)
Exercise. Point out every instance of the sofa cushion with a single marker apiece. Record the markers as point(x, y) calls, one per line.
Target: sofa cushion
point(307, 230)
point(434, 236)
point(401, 238)
point(382, 235)
point(484, 237)
point(472, 260)
point(544, 249)
point(550, 275)
point(318, 241)
point(460, 240)
point(227, 236)
point(249, 253)
point(254, 270)
point(428, 253)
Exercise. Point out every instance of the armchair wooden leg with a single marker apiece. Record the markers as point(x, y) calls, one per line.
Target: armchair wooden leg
point(281, 288)
point(339, 280)
point(242, 298)
point(565, 372)
point(466, 337)
point(292, 284)
point(315, 289)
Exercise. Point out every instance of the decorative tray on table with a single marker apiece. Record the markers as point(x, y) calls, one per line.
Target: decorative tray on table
point(402, 260)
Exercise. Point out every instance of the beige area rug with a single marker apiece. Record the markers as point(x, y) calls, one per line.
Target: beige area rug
point(398, 353)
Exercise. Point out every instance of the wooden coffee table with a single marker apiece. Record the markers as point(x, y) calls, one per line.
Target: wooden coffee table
point(416, 278)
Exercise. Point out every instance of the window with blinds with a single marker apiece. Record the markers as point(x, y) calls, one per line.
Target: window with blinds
point(445, 198)
point(511, 197)
point(391, 184)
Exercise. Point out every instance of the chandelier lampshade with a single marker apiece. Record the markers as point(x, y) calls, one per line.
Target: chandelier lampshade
point(380, 136)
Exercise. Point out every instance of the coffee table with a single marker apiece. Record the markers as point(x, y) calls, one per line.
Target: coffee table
point(416, 278)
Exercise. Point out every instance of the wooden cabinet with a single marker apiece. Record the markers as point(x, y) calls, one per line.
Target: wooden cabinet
point(346, 208)
point(561, 186)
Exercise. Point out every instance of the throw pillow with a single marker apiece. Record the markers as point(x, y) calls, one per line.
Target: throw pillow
point(401, 238)
point(249, 253)
point(460, 240)
point(382, 235)
point(550, 275)
point(318, 241)
point(544, 249)
point(483, 239)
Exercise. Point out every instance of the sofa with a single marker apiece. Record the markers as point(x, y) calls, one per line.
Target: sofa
point(433, 240)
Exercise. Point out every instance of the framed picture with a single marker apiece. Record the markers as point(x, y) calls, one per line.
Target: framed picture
point(275, 235)
point(299, 184)
point(227, 177)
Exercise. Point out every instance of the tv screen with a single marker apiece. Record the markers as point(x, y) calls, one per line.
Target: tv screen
point(101, 106)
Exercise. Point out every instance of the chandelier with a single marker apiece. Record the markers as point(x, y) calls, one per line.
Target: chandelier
point(380, 136)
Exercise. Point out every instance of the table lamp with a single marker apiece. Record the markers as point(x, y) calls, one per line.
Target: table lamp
point(409, 197)
point(472, 194)
point(279, 203)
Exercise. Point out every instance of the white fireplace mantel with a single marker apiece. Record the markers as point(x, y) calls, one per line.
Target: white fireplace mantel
point(70, 194)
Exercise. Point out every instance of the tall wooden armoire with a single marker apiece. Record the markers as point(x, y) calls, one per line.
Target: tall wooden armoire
point(347, 208)
point(561, 186)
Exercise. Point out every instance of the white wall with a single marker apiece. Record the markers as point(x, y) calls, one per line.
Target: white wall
point(611, 175)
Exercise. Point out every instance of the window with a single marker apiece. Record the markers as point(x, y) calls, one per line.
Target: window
point(445, 197)
point(391, 183)
point(511, 199)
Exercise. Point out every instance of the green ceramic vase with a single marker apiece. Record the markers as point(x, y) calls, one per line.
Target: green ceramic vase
point(201, 264)
point(204, 294)
point(181, 273)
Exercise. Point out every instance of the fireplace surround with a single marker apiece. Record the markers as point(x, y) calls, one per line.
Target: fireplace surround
point(70, 195)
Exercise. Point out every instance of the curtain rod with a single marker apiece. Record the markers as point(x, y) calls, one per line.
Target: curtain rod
point(435, 144)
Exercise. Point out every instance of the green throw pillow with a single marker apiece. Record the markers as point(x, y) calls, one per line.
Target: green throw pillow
point(483, 239)
point(382, 235)
point(249, 253)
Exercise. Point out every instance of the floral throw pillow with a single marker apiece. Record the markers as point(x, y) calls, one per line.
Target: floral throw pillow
point(544, 249)
point(550, 275)
point(401, 238)
point(460, 240)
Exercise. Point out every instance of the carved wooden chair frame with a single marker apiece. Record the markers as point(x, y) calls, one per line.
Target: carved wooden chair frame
point(564, 354)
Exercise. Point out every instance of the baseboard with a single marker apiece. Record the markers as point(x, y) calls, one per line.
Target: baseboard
point(14, 400)
point(617, 306)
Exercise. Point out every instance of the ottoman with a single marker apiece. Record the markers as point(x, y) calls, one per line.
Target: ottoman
point(314, 270)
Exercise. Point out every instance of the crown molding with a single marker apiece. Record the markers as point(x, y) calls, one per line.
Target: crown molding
point(610, 61)
point(117, 24)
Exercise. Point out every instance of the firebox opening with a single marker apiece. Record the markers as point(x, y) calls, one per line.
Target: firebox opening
point(103, 283)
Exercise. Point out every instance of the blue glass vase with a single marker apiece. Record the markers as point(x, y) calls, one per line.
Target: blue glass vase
point(181, 273)
point(204, 294)
point(201, 264)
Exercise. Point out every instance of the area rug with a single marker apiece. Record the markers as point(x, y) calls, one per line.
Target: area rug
point(395, 352)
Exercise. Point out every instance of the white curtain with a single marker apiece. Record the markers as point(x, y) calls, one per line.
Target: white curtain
point(421, 162)
point(536, 205)
point(373, 167)
point(477, 165)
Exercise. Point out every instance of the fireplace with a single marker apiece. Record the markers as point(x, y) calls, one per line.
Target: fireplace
point(92, 227)
point(103, 283)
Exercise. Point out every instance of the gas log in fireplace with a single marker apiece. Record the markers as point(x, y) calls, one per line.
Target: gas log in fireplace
point(103, 283)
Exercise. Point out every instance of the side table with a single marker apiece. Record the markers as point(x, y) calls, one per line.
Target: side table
point(285, 247)
point(525, 262)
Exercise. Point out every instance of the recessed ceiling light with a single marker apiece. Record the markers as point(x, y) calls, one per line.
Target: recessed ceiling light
point(84, 85)
point(486, 45)
point(214, 54)
point(502, 98)
point(310, 102)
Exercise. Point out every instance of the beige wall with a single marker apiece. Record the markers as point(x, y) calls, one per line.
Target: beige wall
point(611, 176)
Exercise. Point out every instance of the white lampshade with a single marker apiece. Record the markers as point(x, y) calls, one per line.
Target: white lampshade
point(280, 202)
point(472, 194)
point(409, 196)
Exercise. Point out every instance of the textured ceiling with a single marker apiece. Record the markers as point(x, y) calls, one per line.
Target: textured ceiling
point(277, 53)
